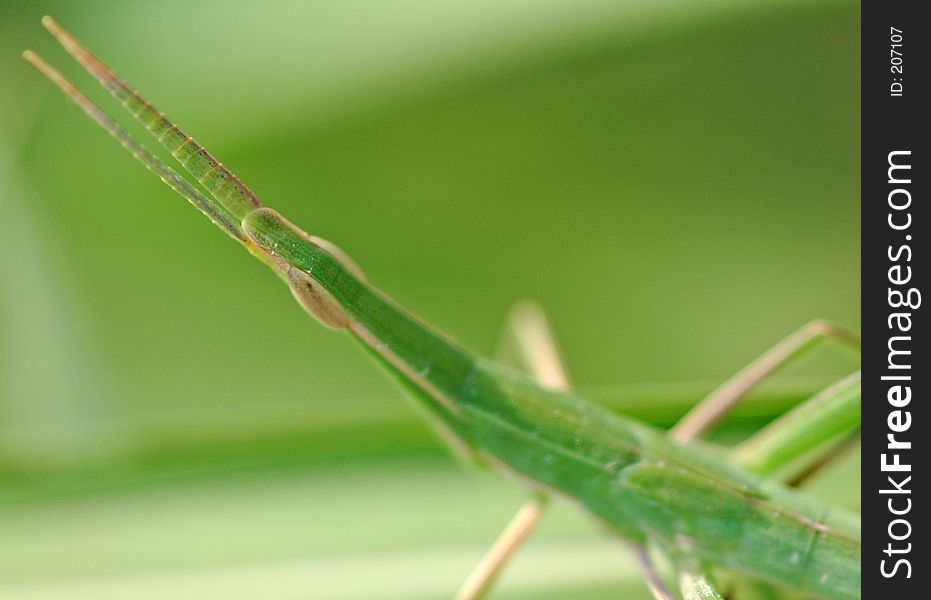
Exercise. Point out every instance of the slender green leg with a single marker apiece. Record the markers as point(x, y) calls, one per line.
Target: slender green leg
point(830, 416)
point(536, 347)
point(654, 581)
point(714, 407)
point(837, 451)
point(695, 585)
point(533, 339)
point(483, 576)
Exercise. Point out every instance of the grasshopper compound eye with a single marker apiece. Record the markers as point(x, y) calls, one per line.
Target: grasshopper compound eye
point(317, 300)
point(283, 242)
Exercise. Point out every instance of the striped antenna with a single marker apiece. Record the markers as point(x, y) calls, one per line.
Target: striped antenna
point(215, 212)
point(222, 184)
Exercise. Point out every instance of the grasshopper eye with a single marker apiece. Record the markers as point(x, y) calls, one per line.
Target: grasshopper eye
point(317, 300)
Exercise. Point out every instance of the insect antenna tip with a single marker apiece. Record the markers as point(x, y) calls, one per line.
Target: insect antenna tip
point(55, 28)
point(35, 60)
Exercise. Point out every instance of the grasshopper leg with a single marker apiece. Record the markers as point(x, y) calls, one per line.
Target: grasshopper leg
point(695, 585)
point(806, 437)
point(654, 580)
point(723, 399)
point(483, 576)
point(529, 332)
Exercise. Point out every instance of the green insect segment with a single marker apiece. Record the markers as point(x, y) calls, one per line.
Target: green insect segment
point(687, 500)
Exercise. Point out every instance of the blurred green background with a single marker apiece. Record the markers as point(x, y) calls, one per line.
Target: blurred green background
point(675, 182)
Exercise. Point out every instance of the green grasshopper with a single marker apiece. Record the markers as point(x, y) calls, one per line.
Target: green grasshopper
point(707, 511)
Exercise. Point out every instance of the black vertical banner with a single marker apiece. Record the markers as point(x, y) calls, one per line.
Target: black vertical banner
point(896, 371)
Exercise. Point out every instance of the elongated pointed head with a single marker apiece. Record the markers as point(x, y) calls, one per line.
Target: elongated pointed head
point(313, 267)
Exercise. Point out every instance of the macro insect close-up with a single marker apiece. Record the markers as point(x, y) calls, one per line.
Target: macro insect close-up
point(694, 439)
